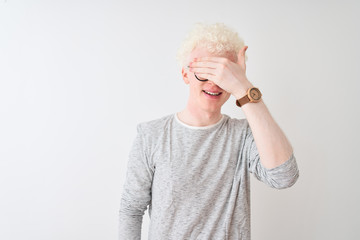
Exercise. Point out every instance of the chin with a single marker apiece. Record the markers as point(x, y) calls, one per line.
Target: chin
point(212, 108)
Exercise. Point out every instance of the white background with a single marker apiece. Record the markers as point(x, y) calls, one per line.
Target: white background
point(77, 76)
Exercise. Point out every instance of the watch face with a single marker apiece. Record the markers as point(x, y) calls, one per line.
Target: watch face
point(255, 94)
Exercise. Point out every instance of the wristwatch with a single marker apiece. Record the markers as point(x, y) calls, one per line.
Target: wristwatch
point(253, 95)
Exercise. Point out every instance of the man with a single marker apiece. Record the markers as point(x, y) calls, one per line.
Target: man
point(192, 168)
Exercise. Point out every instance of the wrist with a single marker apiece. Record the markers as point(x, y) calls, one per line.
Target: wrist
point(241, 90)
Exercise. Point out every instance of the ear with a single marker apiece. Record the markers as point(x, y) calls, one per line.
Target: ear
point(184, 74)
point(242, 57)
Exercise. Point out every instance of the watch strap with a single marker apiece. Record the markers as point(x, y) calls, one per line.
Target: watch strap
point(242, 101)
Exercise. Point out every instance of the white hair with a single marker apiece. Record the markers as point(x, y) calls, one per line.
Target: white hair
point(217, 39)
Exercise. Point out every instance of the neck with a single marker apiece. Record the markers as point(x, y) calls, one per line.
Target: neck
point(199, 117)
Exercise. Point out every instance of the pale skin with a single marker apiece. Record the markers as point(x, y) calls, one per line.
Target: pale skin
point(228, 77)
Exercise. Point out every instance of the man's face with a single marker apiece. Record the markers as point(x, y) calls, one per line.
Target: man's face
point(205, 96)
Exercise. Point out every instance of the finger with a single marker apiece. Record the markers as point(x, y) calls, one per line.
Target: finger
point(204, 64)
point(211, 59)
point(198, 70)
point(208, 76)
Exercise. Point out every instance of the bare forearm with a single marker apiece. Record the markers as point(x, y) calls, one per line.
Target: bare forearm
point(272, 144)
point(273, 147)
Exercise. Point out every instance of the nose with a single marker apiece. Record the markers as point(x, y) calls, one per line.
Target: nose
point(211, 83)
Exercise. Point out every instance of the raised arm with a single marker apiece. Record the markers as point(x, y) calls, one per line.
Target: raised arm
point(273, 146)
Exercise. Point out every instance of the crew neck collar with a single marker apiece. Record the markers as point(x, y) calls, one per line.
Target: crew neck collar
point(198, 128)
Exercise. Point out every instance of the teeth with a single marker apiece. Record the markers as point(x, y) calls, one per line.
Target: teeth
point(213, 94)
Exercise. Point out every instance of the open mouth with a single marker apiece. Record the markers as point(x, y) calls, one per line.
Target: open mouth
point(212, 93)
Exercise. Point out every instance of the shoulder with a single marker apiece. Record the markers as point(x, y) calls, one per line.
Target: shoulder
point(156, 126)
point(236, 123)
point(238, 126)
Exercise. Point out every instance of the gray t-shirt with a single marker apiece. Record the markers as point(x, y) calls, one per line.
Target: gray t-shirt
point(196, 180)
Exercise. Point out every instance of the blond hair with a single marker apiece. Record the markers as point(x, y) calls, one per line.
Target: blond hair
point(216, 38)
